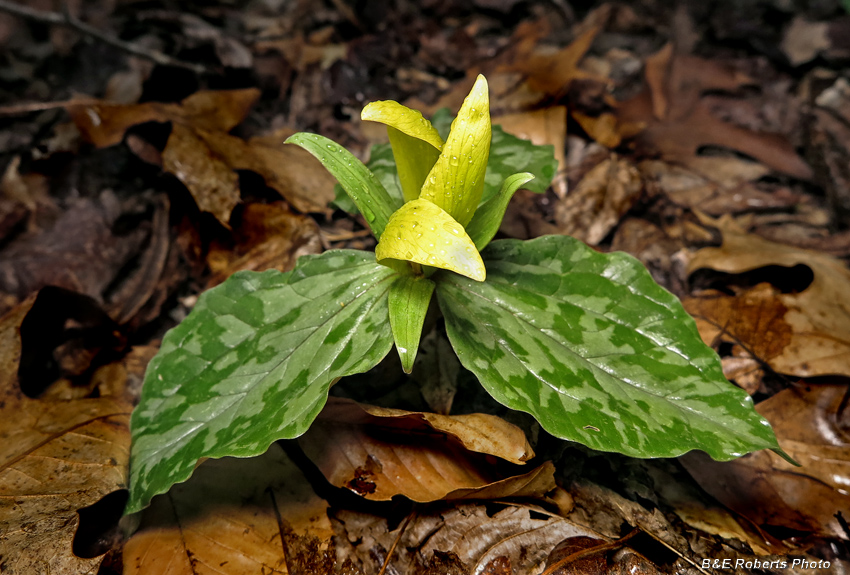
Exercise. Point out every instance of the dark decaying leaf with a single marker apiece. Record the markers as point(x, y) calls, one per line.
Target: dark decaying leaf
point(678, 123)
point(811, 422)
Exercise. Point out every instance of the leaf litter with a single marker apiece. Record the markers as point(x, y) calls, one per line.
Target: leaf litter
point(658, 139)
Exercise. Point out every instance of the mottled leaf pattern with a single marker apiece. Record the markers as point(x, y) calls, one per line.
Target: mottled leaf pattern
point(253, 363)
point(362, 186)
point(423, 233)
point(487, 219)
point(595, 350)
point(408, 303)
point(457, 180)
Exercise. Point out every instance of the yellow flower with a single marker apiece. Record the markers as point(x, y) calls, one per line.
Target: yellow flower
point(442, 183)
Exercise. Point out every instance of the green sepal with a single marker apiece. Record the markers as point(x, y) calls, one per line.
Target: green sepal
point(362, 186)
point(423, 233)
point(597, 352)
point(408, 304)
point(253, 362)
point(456, 181)
point(487, 219)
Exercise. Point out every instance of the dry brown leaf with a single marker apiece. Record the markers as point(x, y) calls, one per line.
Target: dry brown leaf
point(56, 457)
point(678, 123)
point(380, 453)
point(203, 155)
point(805, 334)
point(267, 236)
point(542, 127)
point(810, 423)
point(599, 201)
point(224, 520)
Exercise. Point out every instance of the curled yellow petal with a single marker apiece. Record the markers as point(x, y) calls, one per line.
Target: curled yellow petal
point(424, 233)
point(416, 143)
point(403, 119)
point(456, 181)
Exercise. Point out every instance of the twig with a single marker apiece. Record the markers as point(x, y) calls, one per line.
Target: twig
point(585, 553)
point(395, 543)
point(27, 107)
point(69, 21)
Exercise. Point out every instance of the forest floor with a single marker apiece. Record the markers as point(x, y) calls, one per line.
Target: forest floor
point(141, 147)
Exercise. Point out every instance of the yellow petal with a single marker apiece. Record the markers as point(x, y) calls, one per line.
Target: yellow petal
point(456, 181)
point(422, 232)
point(416, 143)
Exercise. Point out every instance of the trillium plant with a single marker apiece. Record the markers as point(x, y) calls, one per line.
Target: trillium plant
point(585, 342)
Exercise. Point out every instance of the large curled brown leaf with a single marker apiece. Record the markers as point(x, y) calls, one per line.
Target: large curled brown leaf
point(678, 123)
point(203, 155)
point(234, 517)
point(56, 457)
point(805, 334)
point(380, 453)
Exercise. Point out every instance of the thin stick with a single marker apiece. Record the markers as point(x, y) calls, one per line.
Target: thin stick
point(27, 107)
point(584, 553)
point(395, 543)
point(69, 21)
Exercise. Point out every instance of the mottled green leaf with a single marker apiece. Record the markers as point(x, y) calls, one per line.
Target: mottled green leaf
point(487, 219)
point(509, 155)
point(422, 232)
point(362, 186)
point(595, 350)
point(456, 181)
point(253, 363)
point(382, 164)
point(415, 143)
point(408, 303)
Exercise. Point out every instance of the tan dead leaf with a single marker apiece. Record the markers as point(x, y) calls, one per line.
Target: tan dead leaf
point(203, 155)
point(809, 332)
point(542, 127)
point(380, 453)
point(595, 206)
point(768, 490)
point(56, 457)
point(224, 520)
point(678, 123)
point(267, 236)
